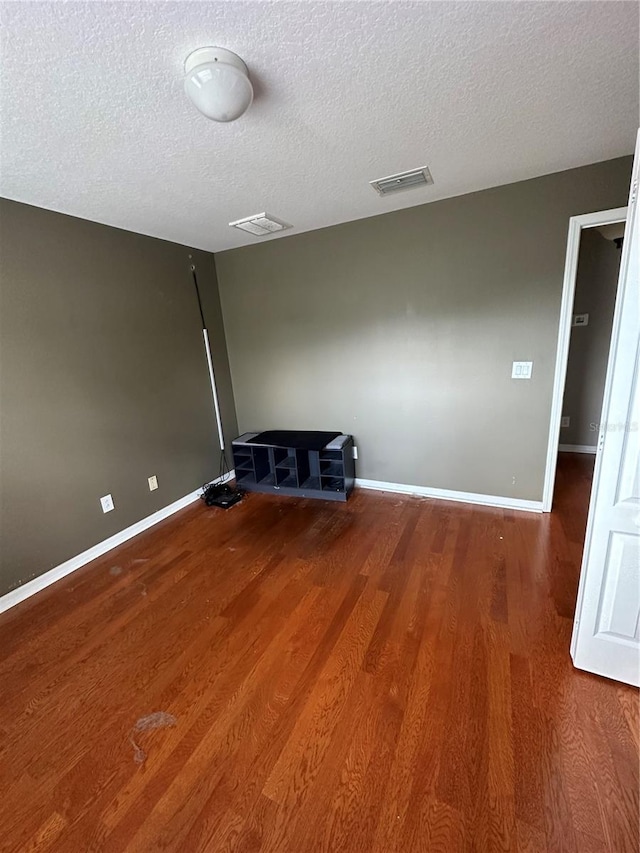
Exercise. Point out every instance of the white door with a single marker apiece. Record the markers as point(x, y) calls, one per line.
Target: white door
point(606, 632)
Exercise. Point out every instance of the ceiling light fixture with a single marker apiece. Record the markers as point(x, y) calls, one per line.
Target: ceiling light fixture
point(217, 81)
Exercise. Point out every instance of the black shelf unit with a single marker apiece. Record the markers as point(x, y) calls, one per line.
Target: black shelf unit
point(328, 474)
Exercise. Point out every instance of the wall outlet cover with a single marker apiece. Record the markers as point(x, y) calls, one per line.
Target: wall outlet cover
point(580, 320)
point(107, 503)
point(522, 370)
point(153, 483)
point(565, 421)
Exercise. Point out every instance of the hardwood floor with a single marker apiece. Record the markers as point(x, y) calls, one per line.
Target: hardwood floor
point(391, 674)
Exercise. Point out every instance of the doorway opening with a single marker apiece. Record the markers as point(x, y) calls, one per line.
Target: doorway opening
point(594, 249)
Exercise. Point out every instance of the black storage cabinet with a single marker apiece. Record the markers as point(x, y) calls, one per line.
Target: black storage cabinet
point(328, 474)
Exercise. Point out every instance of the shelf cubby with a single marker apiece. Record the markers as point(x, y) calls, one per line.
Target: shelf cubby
point(331, 469)
point(332, 484)
point(286, 480)
point(311, 484)
point(331, 455)
point(289, 462)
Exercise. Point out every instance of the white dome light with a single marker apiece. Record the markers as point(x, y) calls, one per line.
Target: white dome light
point(218, 83)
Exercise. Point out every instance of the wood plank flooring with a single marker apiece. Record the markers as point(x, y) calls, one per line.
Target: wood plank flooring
point(392, 674)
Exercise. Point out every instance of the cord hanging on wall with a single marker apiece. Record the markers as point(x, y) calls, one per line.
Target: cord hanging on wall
point(207, 347)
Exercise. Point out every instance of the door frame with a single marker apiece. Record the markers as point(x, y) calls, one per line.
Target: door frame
point(576, 225)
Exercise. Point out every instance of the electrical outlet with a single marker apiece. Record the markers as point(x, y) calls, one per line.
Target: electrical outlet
point(355, 452)
point(565, 421)
point(107, 503)
point(580, 320)
point(153, 483)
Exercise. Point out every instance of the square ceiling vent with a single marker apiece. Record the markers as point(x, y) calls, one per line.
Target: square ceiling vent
point(403, 181)
point(260, 224)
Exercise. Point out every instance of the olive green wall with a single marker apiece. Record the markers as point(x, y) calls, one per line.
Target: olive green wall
point(402, 328)
point(103, 383)
point(596, 286)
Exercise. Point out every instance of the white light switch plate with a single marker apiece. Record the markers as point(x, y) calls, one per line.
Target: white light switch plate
point(522, 370)
point(153, 483)
point(107, 503)
point(355, 452)
point(565, 421)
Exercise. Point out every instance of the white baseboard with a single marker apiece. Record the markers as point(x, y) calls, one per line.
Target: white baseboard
point(577, 448)
point(450, 495)
point(10, 599)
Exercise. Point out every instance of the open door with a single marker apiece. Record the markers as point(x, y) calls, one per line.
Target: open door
point(606, 630)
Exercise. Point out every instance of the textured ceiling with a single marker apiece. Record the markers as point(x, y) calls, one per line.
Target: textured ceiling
point(95, 122)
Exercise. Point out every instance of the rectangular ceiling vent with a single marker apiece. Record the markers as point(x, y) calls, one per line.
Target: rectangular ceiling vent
point(403, 181)
point(260, 224)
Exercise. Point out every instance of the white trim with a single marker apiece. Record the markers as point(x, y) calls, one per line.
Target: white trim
point(576, 224)
point(578, 448)
point(10, 599)
point(451, 495)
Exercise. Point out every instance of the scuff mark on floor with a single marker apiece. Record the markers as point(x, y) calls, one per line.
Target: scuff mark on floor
point(157, 720)
point(115, 570)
